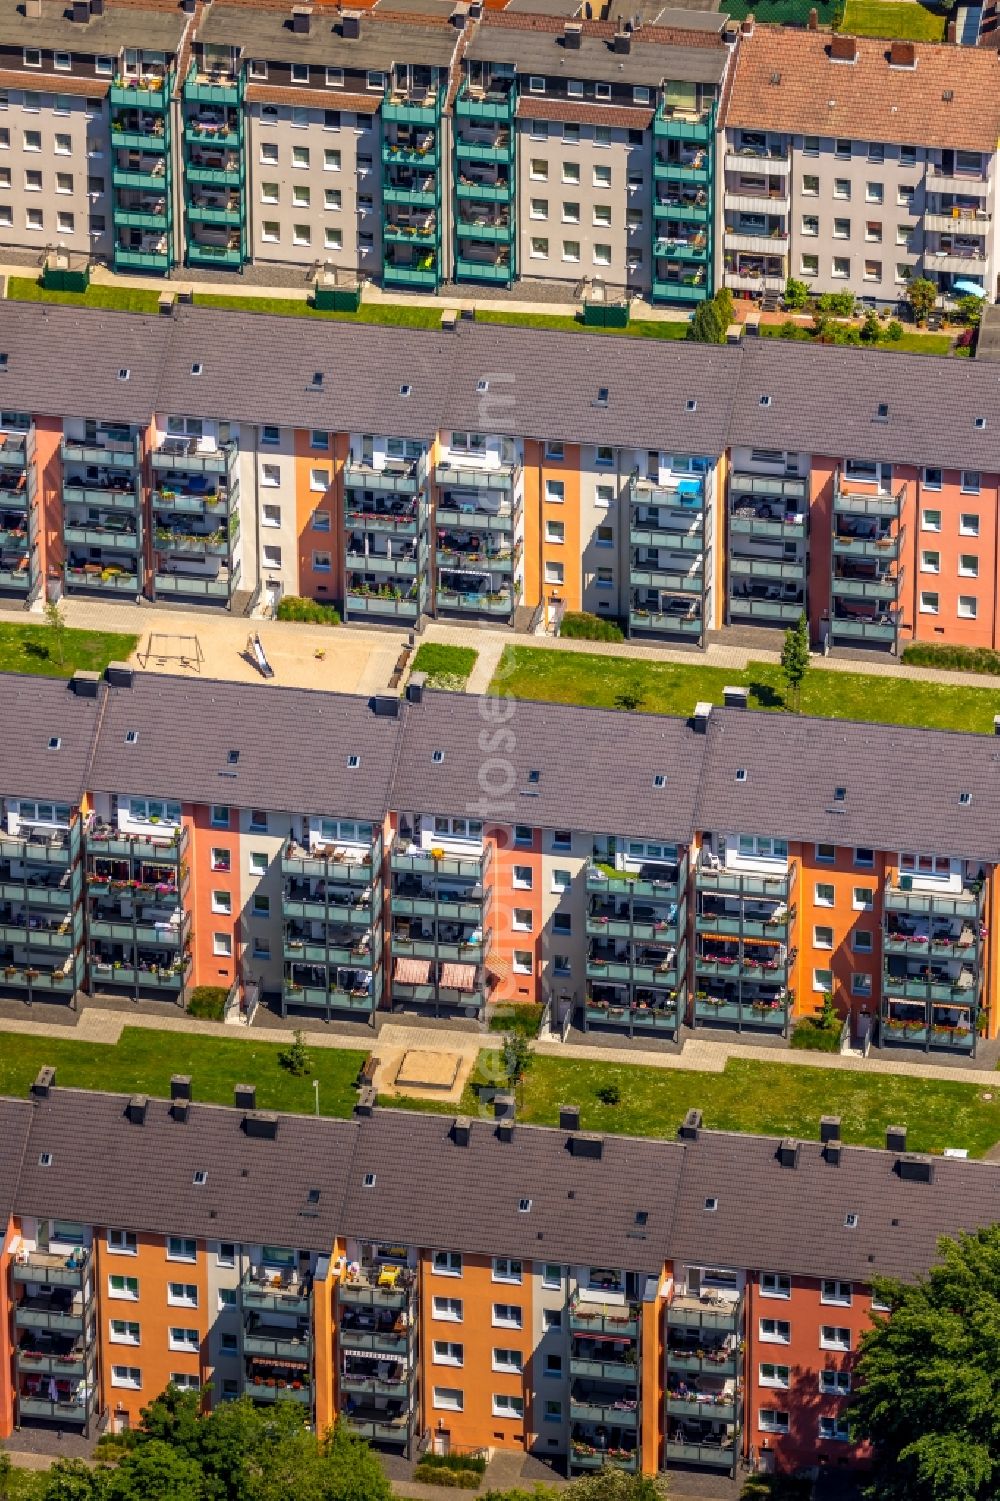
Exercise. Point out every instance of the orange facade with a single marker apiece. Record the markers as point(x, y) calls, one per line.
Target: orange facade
point(215, 893)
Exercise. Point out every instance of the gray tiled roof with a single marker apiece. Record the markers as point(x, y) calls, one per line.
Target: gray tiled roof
point(268, 34)
point(293, 747)
point(595, 766)
point(794, 1219)
point(542, 383)
point(429, 1192)
point(155, 28)
point(902, 785)
point(35, 711)
point(107, 1171)
point(544, 52)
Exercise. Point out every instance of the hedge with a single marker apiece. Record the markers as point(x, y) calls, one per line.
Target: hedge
point(810, 1034)
point(577, 625)
point(468, 1480)
point(953, 658)
point(475, 1462)
point(306, 611)
point(208, 1002)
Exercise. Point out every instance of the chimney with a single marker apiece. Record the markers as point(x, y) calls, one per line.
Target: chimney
point(350, 23)
point(902, 55)
point(245, 1097)
point(260, 1123)
point(461, 1130)
point(832, 1152)
point(81, 11)
point(895, 1138)
point(788, 1152)
point(385, 706)
point(45, 1080)
point(415, 687)
point(996, 724)
point(166, 300)
point(587, 1146)
point(449, 320)
point(748, 25)
point(119, 675)
point(702, 711)
point(843, 49)
point(572, 35)
point(622, 42)
point(503, 1112)
point(180, 1086)
point(951, 32)
point(458, 17)
point(85, 684)
point(829, 1128)
point(366, 1101)
point(735, 698)
point(136, 1109)
point(33, 10)
point(97, 7)
point(812, 23)
point(690, 1126)
point(301, 19)
point(914, 1168)
point(569, 1117)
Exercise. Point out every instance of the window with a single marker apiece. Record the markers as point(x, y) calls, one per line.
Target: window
point(64, 182)
point(602, 255)
point(522, 834)
point(822, 938)
point(226, 1254)
point(968, 525)
point(769, 1420)
point(873, 231)
point(126, 1375)
point(864, 858)
point(523, 920)
point(555, 491)
point(602, 216)
point(842, 148)
point(861, 941)
point(553, 573)
point(505, 1270)
point(551, 1319)
point(827, 853)
point(571, 213)
point(970, 481)
point(258, 862)
point(841, 229)
point(773, 1375)
point(332, 201)
point(449, 1309)
point(552, 1275)
point(446, 1352)
point(967, 607)
point(182, 1294)
point(832, 1337)
point(555, 531)
point(571, 172)
point(775, 1331)
point(122, 1241)
point(602, 176)
point(123, 1287)
point(448, 1263)
point(506, 1316)
point(270, 476)
point(775, 1285)
point(864, 899)
point(222, 902)
point(539, 248)
point(562, 880)
point(841, 267)
point(835, 1383)
point(269, 154)
point(930, 562)
point(300, 195)
point(968, 565)
point(184, 1339)
point(929, 602)
point(180, 1248)
point(123, 1332)
point(832, 1291)
point(874, 192)
point(507, 1407)
point(300, 156)
point(32, 57)
point(809, 265)
point(835, 1428)
point(319, 480)
point(451, 1398)
point(539, 208)
point(930, 521)
point(932, 479)
point(301, 234)
point(523, 962)
point(222, 945)
point(185, 1383)
point(810, 186)
point(507, 1360)
point(810, 145)
point(539, 169)
point(331, 161)
point(810, 224)
point(842, 187)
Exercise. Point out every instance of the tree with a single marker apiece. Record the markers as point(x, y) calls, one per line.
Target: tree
point(929, 1397)
point(796, 293)
point(155, 1471)
point(970, 309)
point(353, 1472)
point(56, 622)
point(795, 659)
point(612, 1484)
point(871, 328)
point(72, 1480)
point(706, 325)
point(894, 330)
point(725, 306)
point(296, 1058)
point(921, 294)
point(517, 1056)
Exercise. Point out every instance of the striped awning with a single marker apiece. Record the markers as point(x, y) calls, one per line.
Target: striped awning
point(458, 976)
point(497, 966)
point(413, 971)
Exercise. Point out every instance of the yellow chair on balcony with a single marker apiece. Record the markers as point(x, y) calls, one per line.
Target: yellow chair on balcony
point(388, 1276)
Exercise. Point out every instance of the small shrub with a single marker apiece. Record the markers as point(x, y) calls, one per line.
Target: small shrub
point(524, 1017)
point(791, 330)
point(894, 330)
point(953, 658)
point(796, 293)
point(840, 304)
point(812, 1035)
point(306, 611)
point(468, 1480)
point(475, 1462)
point(608, 1094)
point(578, 625)
point(296, 1058)
point(208, 1002)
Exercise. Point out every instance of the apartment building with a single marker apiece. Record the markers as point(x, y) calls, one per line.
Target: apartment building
point(856, 164)
point(448, 855)
point(651, 1305)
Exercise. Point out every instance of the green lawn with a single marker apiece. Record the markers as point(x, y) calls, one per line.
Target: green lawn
point(128, 299)
point(445, 666)
point(773, 1099)
point(675, 688)
point(895, 18)
point(144, 1060)
point(33, 648)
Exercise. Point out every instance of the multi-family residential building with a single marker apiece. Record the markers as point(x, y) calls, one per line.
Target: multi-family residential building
point(855, 164)
point(490, 473)
point(447, 854)
point(695, 1303)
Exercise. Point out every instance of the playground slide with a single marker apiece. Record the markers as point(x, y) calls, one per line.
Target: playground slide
point(263, 665)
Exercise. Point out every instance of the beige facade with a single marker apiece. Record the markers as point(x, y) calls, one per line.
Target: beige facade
point(55, 166)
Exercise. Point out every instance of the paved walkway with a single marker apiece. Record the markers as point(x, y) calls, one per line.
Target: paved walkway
point(698, 1055)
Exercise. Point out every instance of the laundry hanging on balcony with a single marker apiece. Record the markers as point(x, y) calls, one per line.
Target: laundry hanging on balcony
point(458, 976)
point(413, 971)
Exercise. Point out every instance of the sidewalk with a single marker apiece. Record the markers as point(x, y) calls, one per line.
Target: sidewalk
point(402, 1034)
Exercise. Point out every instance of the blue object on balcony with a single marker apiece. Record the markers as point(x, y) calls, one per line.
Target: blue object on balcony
point(968, 288)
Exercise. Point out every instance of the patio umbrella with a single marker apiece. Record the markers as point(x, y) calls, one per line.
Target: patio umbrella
point(968, 288)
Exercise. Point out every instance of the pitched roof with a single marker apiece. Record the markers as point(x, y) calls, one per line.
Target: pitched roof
point(535, 44)
point(552, 765)
point(37, 711)
point(786, 80)
point(293, 747)
point(15, 1120)
point(902, 784)
point(533, 108)
point(152, 25)
point(795, 1219)
point(266, 32)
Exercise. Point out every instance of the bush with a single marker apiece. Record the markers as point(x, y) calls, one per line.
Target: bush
point(894, 330)
point(840, 304)
point(306, 611)
point(796, 293)
point(578, 625)
point(953, 658)
point(792, 330)
point(475, 1462)
point(208, 1002)
point(608, 1094)
point(296, 1058)
point(811, 1034)
point(468, 1480)
point(524, 1017)
point(447, 667)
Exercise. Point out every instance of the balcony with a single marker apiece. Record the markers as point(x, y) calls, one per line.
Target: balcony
point(710, 1312)
point(147, 91)
point(198, 585)
point(98, 490)
point(757, 162)
point(141, 260)
point(61, 1356)
point(223, 135)
point(105, 452)
point(968, 261)
point(689, 167)
point(110, 538)
point(775, 888)
point(394, 477)
point(209, 173)
point(145, 177)
point(707, 1405)
point(212, 87)
point(50, 1269)
point(850, 501)
point(962, 221)
point(411, 106)
point(378, 1424)
point(491, 104)
point(620, 1319)
point(675, 623)
point(481, 190)
point(681, 248)
point(423, 156)
point(973, 185)
point(674, 208)
point(59, 1311)
point(633, 1011)
point(773, 199)
point(716, 1456)
point(677, 125)
point(201, 253)
point(279, 1389)
point(876, 585)
point(70, 1409)
point(468, 268)
point(769, 1015)
point(338, 864)
point(593, 1405)
point(276, 1342)
point(585, 1456)
point(377, 1285)
point(40, 845)
point(756, 283)
point(899, 895)
point(701, 1356)
point(651, 882)
point(166, 848)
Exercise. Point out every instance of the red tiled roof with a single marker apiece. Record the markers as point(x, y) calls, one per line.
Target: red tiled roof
point(272, 93)
point(587, 114)
point(50, 83)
